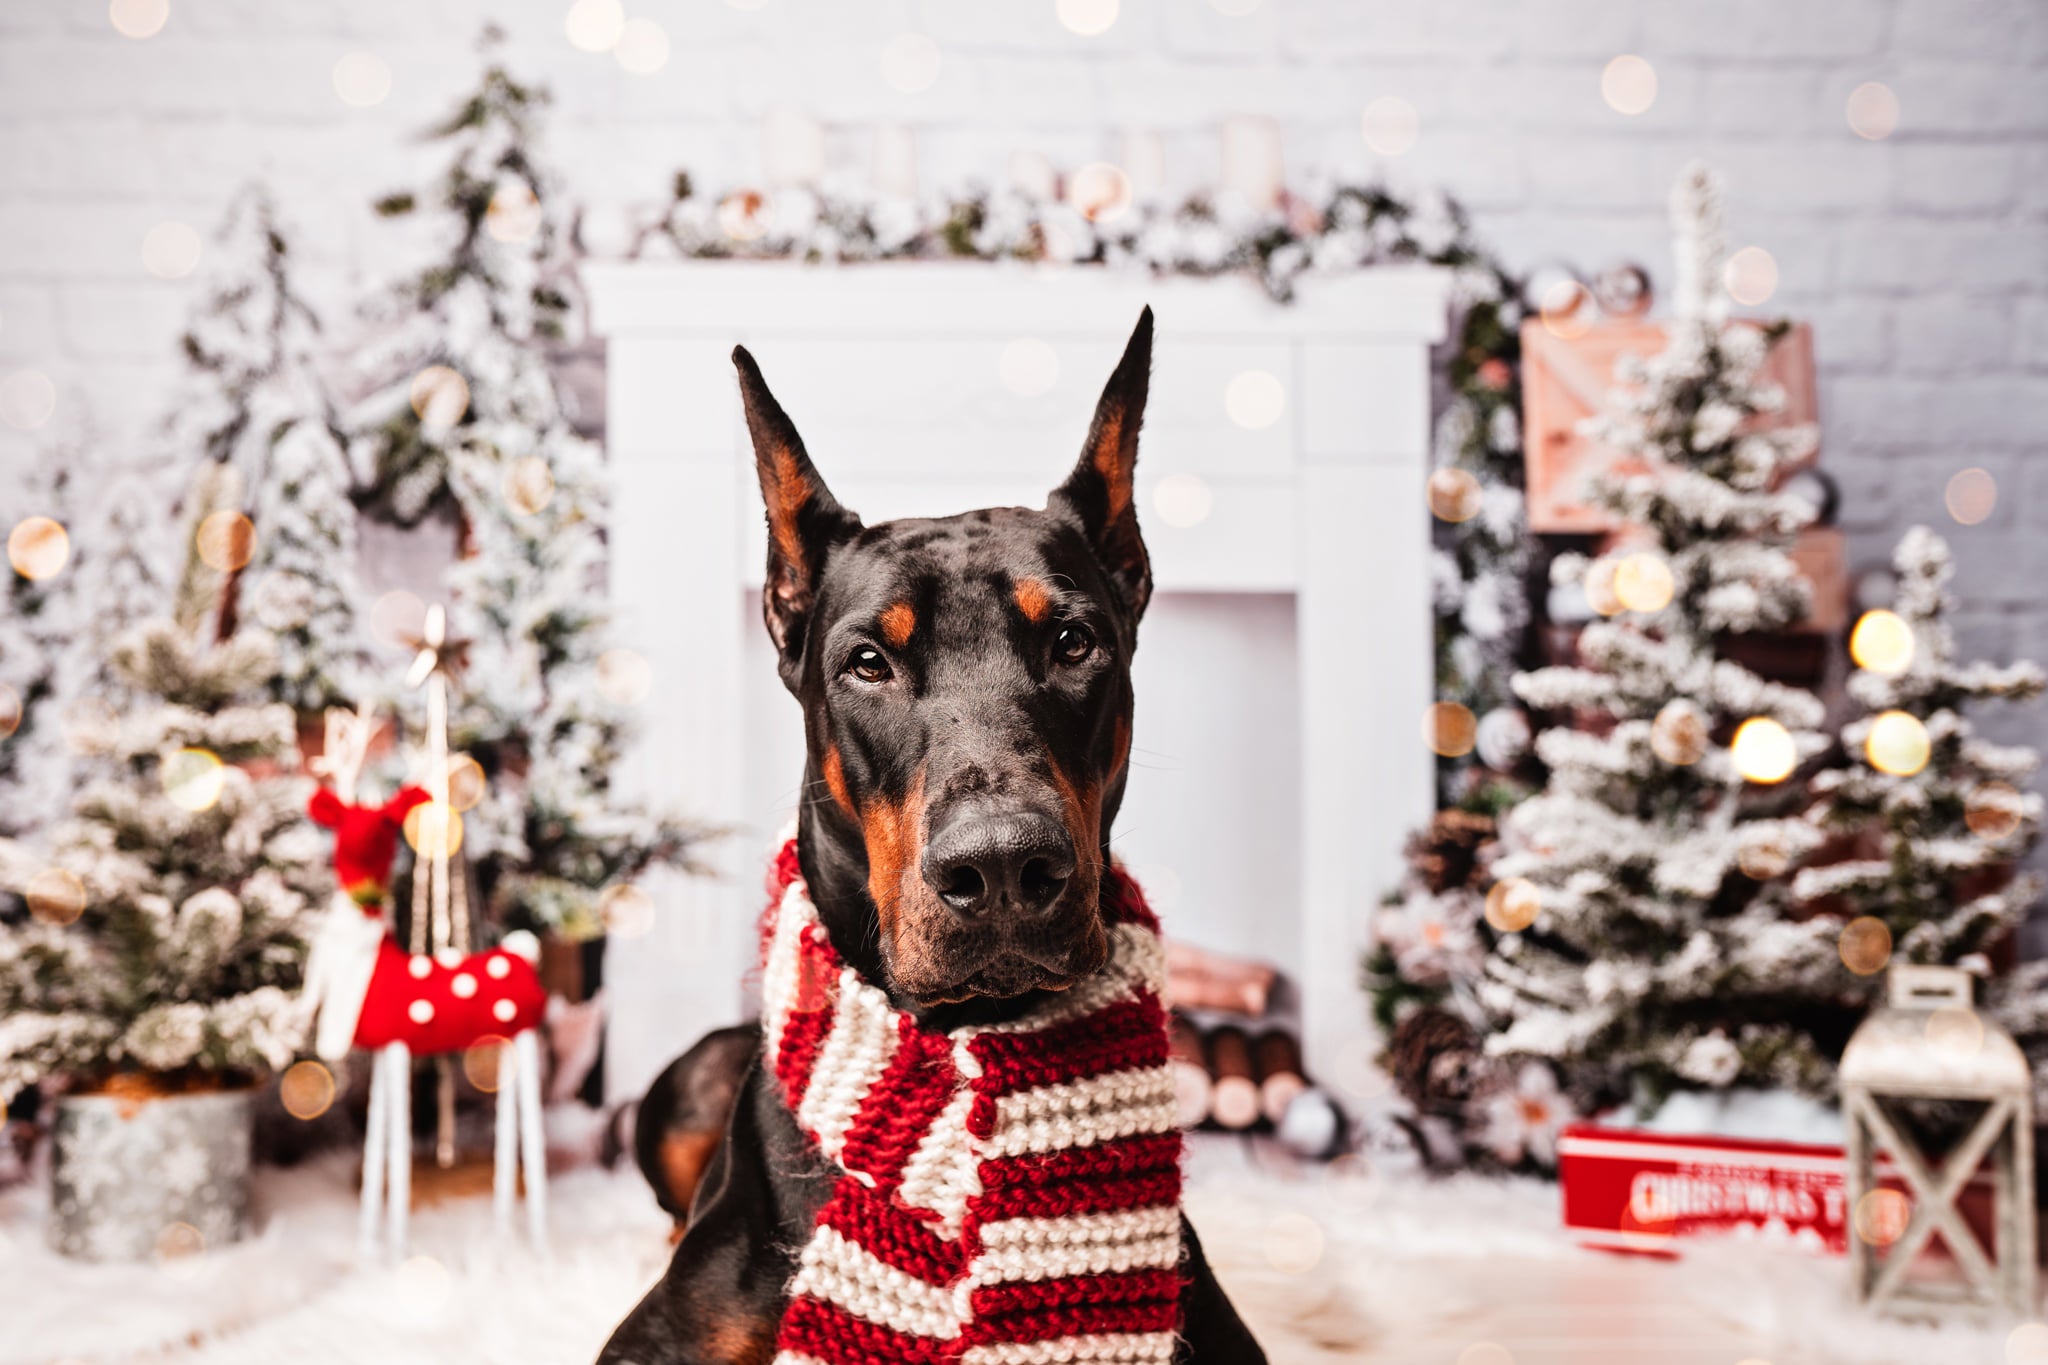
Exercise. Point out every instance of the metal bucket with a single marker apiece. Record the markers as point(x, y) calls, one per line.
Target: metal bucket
point(135, 1178)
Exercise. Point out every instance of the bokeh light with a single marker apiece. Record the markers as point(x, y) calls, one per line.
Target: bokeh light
point(1454, 495)
point(225, 540)
point(1750, 276)
point(1873, 111)
point(1512, 904)
point(439, 397)
point(10, 711)
point(38, 548)
point(1642, 581)
point(910, 63)
point(2027, 1344)
point(529, 485)
point(1599, 586)
point(193, 778)
point(480, 1063)
point(423, 1285)
point(139, 18)
point(467, 784)
point(594, 25)
point(1293, 1243)
point(1254, 399)
point(1086, 17)
point(1865, 945)
point(1956, 1031)
point(627, 911)
point(1881, 1216)
point(1882, 642)
point(55, 895)
point(362, 79)
point(28, 399)
point(1449, 729)
point(178, 1248)
point(1679, 734)
point(1029, 367)
point(1763, 751)
point(1971, 495)
point(1897, 743)
point(1390, 125)
point(434, 830)
point(1762, 858)
point(1566, 307)
point(624, 677)
point(514, 215)
point(1993, 811)
point(1629, 85)
point(1100, 192)
point(170, 251)
point(642, 48)
point(306, 1090)
point(1184, 500)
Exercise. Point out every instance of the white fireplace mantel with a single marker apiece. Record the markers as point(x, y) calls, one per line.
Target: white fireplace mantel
point(1282, 673)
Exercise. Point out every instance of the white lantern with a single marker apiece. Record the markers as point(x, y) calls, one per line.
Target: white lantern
point(1929, 1044)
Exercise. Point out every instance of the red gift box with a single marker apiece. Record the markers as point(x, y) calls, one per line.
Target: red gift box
point(1629, 1190)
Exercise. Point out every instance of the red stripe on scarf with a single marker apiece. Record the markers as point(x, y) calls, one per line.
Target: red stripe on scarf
point(1122, 1037)
point(892, 1233)
point(917, 1084)
point(809, 1021)
point(1134, 1172)
point(838, 1338)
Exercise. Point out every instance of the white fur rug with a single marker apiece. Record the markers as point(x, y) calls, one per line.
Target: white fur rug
point(1326, 1265)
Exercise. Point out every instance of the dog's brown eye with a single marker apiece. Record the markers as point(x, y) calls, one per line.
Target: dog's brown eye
point(868, 665)
point(1074, 644)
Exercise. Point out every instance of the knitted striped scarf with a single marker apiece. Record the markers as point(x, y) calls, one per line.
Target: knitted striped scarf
point(1008, 1194)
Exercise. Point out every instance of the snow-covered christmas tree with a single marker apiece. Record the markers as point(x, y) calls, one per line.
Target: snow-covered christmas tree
point(1641, 942)
point(1934, 815)
point(255, 407)
point(167, 912)
point(471, 422)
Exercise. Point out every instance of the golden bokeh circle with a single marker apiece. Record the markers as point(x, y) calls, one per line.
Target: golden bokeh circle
point(1763, 859)
point(433, 830)
point(1100, 192)
point(1454, 495)
point(624, 677)
point(1679, 734)
point(1872, 111)
point(306, 1090)
point(193, 778)
point(1293, 1243)
point(1993, 811)
point(1254, 399)
point(1643, 582)
point(10, 711)
point(1865, 945)
point(2027, 1344)
point(1600, 591)
point(1971, 495)
point(1898, 743)
point(529, 485)
point(177, 1245)
point(55, 896)
point(514, 214)
point(467, 784)
point(1566, 309)
point(138, 18)
point(480, 1063)
point(627, 910)
point(1750, 276)
point(1763, 751)
point(1882, 642)
point(1512, 904)
point(1448, 727)
point(439, 397)
point(1881, 1216)
point(1629, 85)
point(225, 540)
point(38, 548)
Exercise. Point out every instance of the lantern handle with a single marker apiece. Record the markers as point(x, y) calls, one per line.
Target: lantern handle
point(1915, 987)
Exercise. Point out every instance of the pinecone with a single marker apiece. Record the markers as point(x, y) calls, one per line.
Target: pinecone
point(1445, 854)
point(1435, 1060)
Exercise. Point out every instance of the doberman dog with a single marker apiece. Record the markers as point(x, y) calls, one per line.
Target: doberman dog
point(966, 692)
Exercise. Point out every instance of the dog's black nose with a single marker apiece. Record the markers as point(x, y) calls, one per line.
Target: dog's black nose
point(982, 864)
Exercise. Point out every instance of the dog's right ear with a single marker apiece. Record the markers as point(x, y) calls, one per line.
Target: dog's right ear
point(804, 520)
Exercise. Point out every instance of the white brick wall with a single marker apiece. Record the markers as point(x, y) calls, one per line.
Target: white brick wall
point(1922, 260)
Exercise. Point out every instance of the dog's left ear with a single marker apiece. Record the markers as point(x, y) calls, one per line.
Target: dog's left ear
point(1099, 494)
point(804, 520)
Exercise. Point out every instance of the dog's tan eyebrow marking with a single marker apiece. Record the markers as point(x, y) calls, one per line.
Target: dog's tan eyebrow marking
point(835, 778)
point(1034, 599)
point(899, 622)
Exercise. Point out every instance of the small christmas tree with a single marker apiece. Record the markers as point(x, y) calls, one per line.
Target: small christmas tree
point(472, 424)
point(1639, 937)
point(255, 407)
point(1936, 820)
point(167, 913)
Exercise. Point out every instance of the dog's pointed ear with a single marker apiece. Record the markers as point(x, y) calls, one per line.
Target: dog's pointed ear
point(1100, 493)
point(804, 520)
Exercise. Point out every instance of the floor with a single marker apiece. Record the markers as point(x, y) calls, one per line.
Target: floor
point(1346, 1265)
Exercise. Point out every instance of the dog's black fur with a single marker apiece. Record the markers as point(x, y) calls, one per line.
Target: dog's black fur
point(967, 706)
